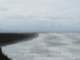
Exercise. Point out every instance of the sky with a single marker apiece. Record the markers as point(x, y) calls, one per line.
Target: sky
point(64, 8)
point(24, 7)
point(39, 15)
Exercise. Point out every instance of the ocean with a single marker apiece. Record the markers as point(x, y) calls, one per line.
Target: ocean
point(47, 46)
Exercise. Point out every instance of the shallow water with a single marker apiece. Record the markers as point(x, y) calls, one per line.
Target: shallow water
point(47, 46)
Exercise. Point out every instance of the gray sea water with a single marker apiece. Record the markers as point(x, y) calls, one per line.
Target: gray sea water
point(47, 46)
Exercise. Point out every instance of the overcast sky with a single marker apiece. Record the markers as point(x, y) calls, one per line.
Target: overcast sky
point(39, 15)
